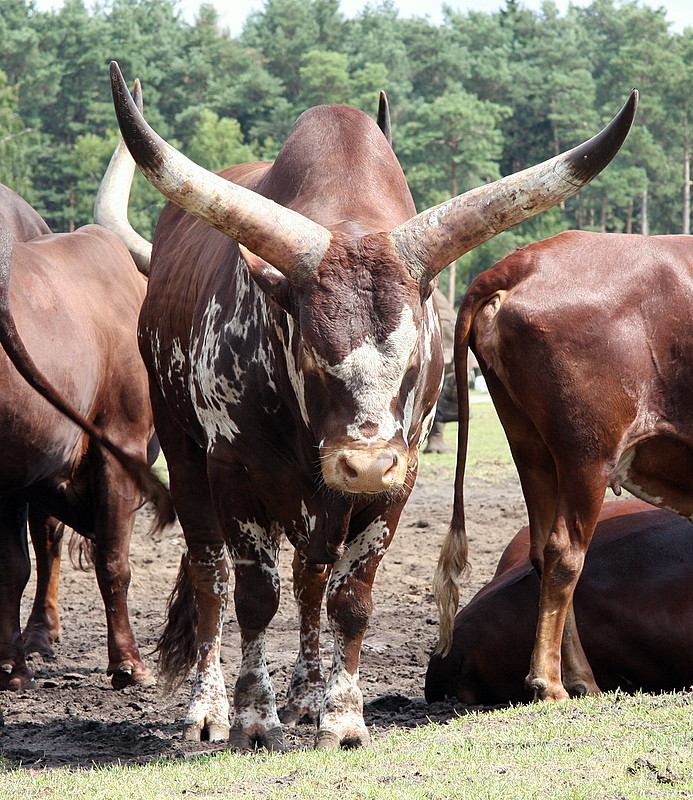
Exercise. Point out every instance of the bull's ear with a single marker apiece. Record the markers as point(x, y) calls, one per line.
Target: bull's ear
point(269, 279)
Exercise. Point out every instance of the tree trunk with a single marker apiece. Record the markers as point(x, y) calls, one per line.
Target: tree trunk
point(644, 221)
point(629, 219)
point(686, 228)
point(452, 269)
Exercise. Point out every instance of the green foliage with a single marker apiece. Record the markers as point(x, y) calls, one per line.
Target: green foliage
point(481, 95)
point(218, 142)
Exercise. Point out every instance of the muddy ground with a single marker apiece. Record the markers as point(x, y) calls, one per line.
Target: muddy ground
point(74, 718)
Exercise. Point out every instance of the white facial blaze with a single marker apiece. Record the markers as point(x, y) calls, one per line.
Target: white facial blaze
point(373, 375)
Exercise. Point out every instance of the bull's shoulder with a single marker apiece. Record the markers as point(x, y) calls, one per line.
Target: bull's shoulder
point(248, 175)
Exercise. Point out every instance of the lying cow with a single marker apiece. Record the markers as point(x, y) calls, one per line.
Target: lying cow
point(68, 314)
point(585, 343)
point(294, 357)
point(634, 606)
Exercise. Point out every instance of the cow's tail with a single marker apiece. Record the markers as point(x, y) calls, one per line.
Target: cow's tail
point(177, 645)
point(151, 487)
point(453, 559)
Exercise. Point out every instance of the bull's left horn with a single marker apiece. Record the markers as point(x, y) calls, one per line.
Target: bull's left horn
point(292, 243)
point(431, 240)
point(111, 204)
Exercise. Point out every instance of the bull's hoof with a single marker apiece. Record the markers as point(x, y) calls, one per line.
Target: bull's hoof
point(205, 732)
point(273, 740)
point(241, 742)
point(582, 689)
point(129, 674)
point(292, 716)
point(328, 740)
point(436, 444)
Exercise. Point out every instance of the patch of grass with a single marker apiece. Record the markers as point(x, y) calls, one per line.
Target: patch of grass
point(601, 748)
point(488, 454)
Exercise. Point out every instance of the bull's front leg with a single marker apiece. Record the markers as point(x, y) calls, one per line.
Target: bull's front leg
point(205, 568)
point(256, 597)
point(307, 683)
point(349, 606)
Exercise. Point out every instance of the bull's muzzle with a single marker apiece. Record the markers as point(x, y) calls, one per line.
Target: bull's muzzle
point(365, 469)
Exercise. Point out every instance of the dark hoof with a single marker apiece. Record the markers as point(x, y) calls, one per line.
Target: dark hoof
point(326, 740)
point(240, 742)
point(200, 732)
point(273, 740)
point(40, 644)
point(292, 717)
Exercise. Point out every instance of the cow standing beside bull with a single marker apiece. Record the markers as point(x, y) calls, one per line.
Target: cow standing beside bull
point(294, 357)
point(68, 312)
point(585, 343)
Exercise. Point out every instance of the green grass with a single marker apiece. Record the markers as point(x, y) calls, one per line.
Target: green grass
point(488, 455)
point(605, 748)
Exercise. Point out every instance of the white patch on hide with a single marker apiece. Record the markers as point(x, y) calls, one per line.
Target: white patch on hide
point(373, 373)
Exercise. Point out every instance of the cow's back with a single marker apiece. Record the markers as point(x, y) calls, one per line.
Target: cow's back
point(75, 299)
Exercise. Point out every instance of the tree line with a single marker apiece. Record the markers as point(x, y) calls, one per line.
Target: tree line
point(477, 97)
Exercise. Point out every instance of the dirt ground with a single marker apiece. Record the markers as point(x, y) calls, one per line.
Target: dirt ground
point(74, 718)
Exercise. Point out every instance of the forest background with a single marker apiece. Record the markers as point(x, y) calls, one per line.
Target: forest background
point(477, 97)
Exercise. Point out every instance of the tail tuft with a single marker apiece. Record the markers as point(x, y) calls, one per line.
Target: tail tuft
point(452, 566)
point(177, 645)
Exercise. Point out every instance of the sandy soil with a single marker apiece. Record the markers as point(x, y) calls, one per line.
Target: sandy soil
point(74, 717)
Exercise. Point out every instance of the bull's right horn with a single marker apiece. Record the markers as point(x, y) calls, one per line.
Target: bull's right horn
point(434, 238)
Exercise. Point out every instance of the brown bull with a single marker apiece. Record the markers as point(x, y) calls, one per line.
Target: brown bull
point(294, 356)
point(634, 607)
point(68, 313)
point(585, 342)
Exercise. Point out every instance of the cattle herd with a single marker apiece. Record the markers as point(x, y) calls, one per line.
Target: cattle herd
point(284, 350)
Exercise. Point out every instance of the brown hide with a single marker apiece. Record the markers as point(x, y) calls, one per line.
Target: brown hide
point(18, 217)
point(74, 299)
point(585, 343)
point(634, 607)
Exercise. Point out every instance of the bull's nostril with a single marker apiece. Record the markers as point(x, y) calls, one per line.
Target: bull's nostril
point(393, 466)
point(349, 472)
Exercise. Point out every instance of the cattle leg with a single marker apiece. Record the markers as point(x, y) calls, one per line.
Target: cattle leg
point(43, 629)
point(563, 558)
point(256, 599)
point(307, 683)
point(539, 484)
point(194, 626)
point(349, 606)
point(15, 569)
point(115, 520)
point(208, 712)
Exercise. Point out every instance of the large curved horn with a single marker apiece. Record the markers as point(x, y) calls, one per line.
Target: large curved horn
point(431, 240)
point(111, 204)
point(292, 243)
